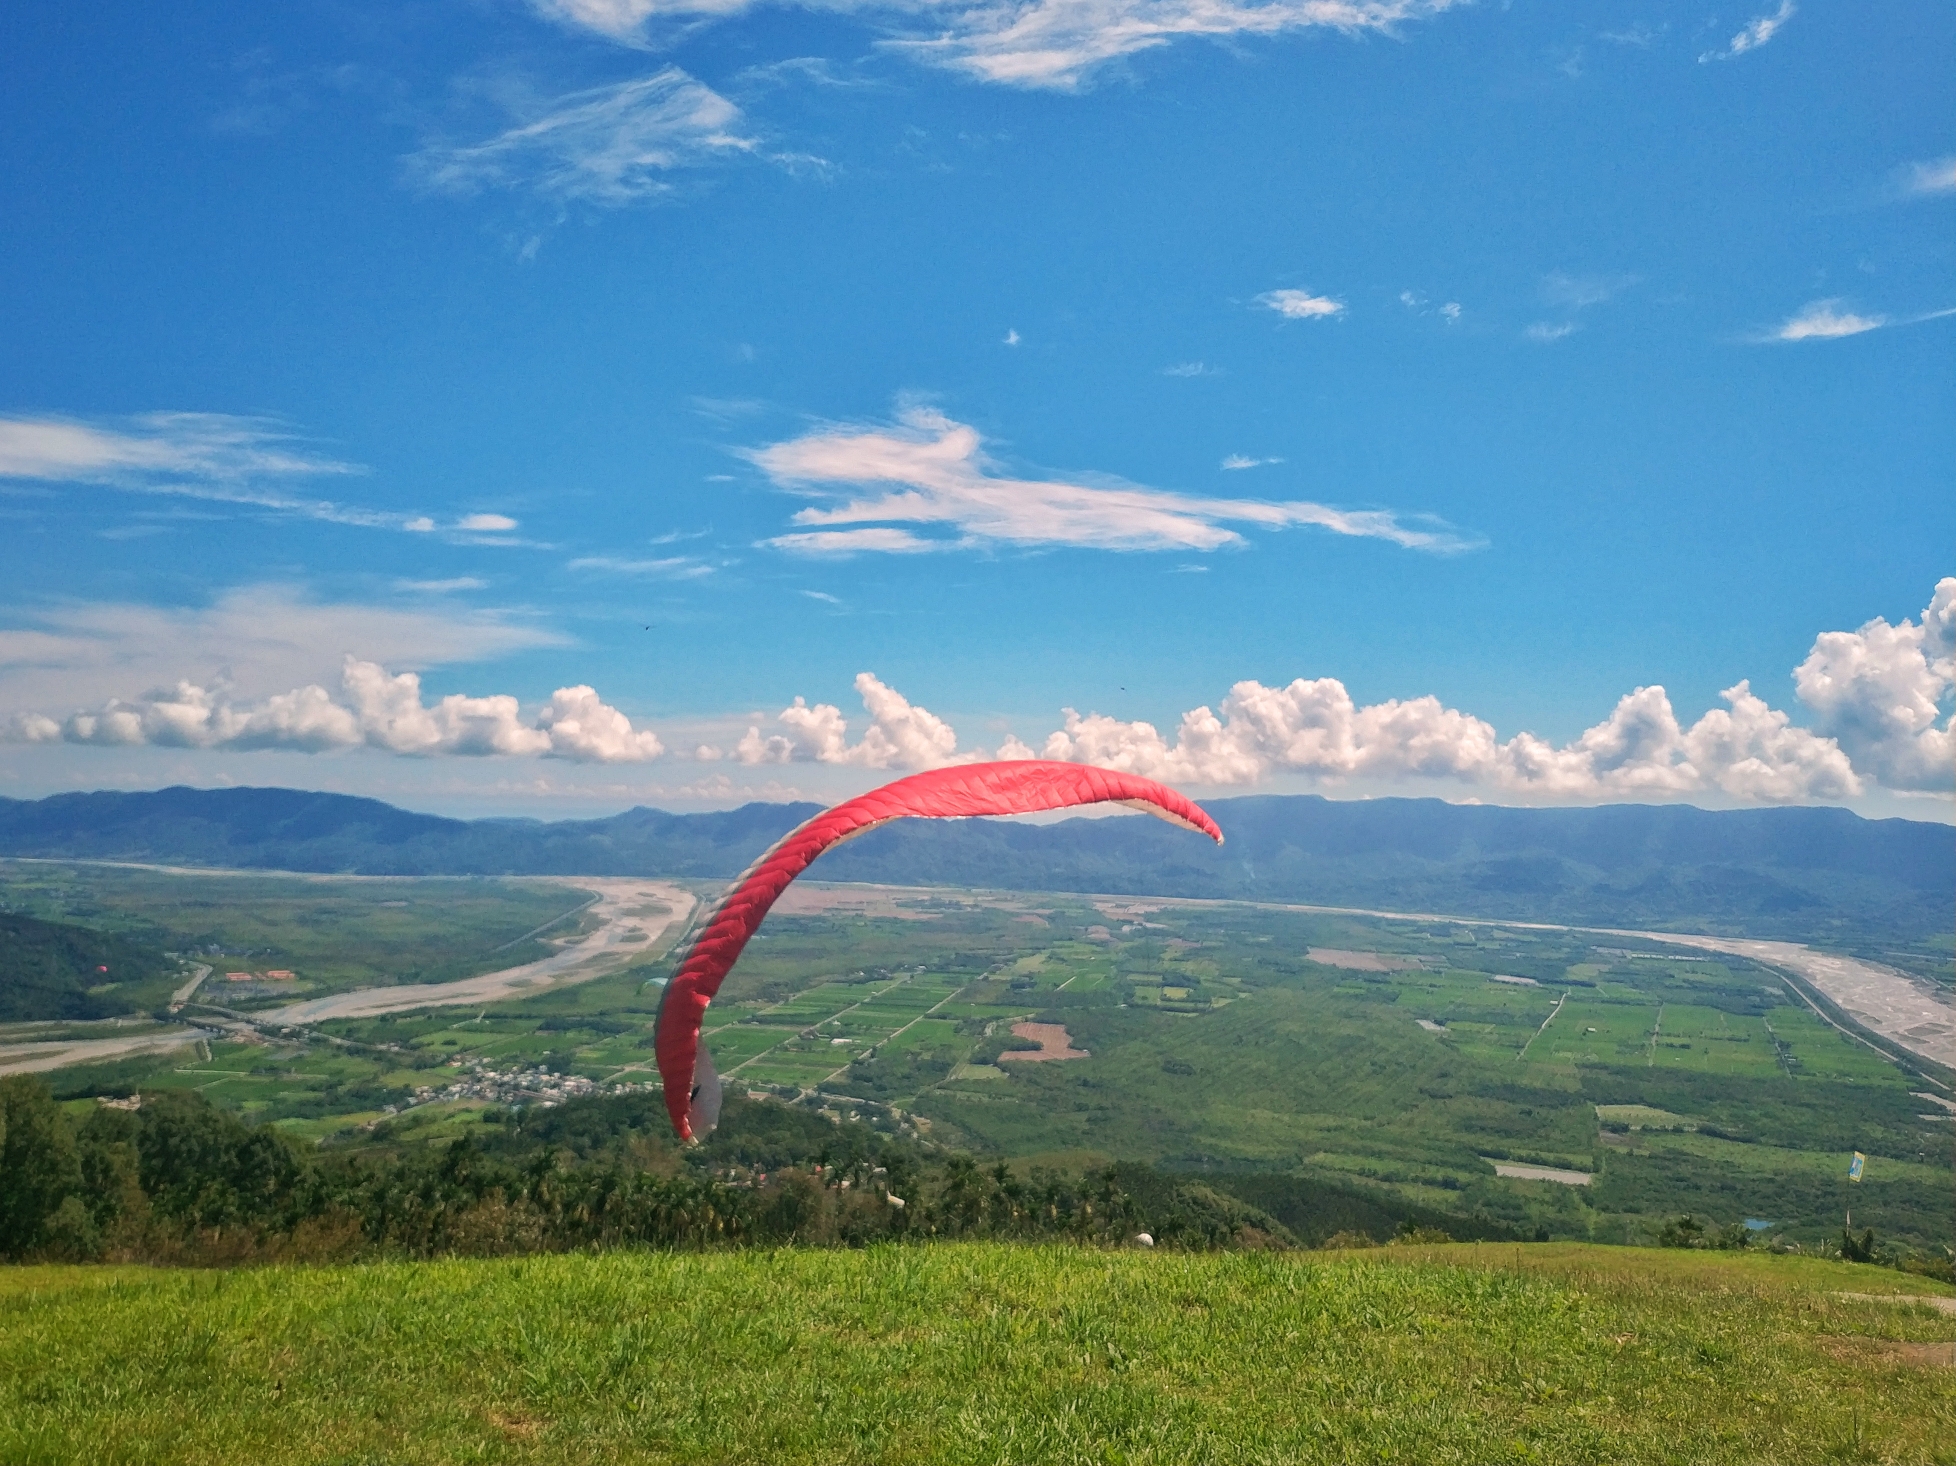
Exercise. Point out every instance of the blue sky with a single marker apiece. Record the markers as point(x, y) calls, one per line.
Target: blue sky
point(1363, 395)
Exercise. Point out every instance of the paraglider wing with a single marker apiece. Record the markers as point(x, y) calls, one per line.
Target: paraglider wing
point(1017, 787)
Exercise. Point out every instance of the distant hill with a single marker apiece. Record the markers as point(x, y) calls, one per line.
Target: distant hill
point(1801, 874)
point(50, 970)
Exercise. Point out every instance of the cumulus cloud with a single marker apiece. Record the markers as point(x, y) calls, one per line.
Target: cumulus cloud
point(372, 708)
point(606, 145)
point(1879, 692)
point(1301, 305)
point(485, 523)
point(1821, 320)
point(1747, 751)
point(900, 735)
point(1880, 698)
point(930, 470)
point(1756, 33)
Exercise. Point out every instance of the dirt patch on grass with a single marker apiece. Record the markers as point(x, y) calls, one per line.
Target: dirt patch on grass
point(1053, 1040)
point(515, 1425)
point(1890, 1352)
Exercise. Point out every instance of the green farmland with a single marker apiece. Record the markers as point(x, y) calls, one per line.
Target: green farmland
point(1411, 1058)
point(983, 1352)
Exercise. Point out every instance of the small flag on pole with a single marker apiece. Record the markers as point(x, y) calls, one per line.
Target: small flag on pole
point(1854, 1166)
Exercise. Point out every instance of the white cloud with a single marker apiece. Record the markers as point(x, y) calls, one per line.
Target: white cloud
point(1936, 176)
point(1756, 33)
point(1011, 338)
point(210, 456)
point(1191, 369)
point(1548, 331)
point(485, 523)
point(582, 726)
point(618, 19)
point(606, 145)
point(858, 542)
point(1879, 692)
point(1057, 44)
point(822, 595)
point(442, 587)
point(900, 735)
point(1242, 460)
point(1746, 751)
point(667, 567)
point(1301, 305)
point(1820, 321)
point(1050, 44)
point(1579, 292)
point(1451, 310)
point(1314, 728)
point(372, 709)
point(256, 641)
point(930, 470)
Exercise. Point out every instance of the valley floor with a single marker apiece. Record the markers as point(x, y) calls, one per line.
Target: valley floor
point(983, 1352)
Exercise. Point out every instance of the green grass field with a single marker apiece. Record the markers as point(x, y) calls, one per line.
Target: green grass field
point(981, 1353)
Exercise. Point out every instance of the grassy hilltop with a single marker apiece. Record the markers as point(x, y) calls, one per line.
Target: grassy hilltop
point(983, 1352)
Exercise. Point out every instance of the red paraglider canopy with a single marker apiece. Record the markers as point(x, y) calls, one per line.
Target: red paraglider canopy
point(1017, 787)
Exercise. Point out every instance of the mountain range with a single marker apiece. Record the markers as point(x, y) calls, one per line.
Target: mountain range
point(1806, 874)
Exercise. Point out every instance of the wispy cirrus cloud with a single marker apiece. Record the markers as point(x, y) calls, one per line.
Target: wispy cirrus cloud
point(256, 640)
point(1054, 45)
point(608, 145)
point(1574, 294)
point(246, 461)
point(1938, 175)
point(665, 567)
point(1059, 44)
point(1754, 34)
point(928, 470)
point(1301, 305)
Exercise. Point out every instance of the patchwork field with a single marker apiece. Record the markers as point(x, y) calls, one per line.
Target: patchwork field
point(984, 1352)
point(1412, 1057)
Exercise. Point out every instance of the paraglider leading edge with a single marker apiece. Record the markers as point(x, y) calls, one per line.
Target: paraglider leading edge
point(692, 1089)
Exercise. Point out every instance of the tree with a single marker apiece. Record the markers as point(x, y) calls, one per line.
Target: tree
point(39, 1165)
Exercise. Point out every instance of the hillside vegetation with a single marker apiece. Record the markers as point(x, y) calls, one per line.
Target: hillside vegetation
point(53, 970)
point(981, 1352)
